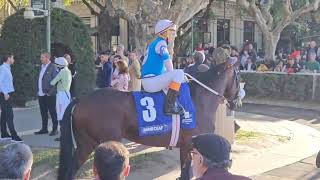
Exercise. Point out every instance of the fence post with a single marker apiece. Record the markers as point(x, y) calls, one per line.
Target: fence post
point(314, 85)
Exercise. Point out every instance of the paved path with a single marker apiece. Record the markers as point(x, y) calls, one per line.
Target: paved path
point(28, 120)
point(304, 169)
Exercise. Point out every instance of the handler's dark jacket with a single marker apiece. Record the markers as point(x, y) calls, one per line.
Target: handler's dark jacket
point(220, 174)
point(48, 75)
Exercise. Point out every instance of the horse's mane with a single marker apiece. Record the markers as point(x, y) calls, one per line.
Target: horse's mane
point(211, 74)
point(208, 76)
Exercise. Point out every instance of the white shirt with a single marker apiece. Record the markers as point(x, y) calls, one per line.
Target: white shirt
point(43, 70)
point(6, 79)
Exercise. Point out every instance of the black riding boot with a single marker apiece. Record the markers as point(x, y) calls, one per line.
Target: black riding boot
point(170, 106)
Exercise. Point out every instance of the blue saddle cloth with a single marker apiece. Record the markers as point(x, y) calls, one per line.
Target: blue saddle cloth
point(150, 112)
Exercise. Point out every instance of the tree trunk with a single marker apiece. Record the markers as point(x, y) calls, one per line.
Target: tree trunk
point(270, 41)
point(106, 22)
point(139, 35)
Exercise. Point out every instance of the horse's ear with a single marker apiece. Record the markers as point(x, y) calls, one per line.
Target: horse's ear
point(203, 68)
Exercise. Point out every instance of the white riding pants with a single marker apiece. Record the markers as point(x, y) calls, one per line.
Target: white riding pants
point(63, 100)
point(162, 81)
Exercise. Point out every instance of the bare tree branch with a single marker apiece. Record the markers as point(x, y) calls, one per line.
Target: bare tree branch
point(92, 11)
point(252, 8)
point(12, 5)
point(265, 10)
point(296, 14)
point(99, 5)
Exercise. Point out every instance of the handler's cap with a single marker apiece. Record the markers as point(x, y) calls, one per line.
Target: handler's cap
point(61, 61)
point(212, 146)
point(163, 25)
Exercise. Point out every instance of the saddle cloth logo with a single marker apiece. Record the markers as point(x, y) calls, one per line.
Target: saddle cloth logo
point(150, 112)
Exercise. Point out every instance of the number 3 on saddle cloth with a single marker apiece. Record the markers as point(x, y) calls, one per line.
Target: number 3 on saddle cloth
point(150, 112)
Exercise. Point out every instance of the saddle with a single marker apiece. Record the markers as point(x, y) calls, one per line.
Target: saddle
point(150, 112)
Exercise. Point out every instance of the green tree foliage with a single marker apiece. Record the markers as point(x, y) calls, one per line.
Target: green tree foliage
point(26, 39)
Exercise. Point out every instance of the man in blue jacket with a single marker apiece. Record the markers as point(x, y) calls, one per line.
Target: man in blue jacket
point(105, 72)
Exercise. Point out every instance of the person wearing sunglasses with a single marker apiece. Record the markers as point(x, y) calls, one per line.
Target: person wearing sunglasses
point(210, 156)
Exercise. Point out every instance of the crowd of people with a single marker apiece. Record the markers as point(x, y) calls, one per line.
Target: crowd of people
point(298, 60)
point(119, 71)
point(210, 156)
point(54, 90)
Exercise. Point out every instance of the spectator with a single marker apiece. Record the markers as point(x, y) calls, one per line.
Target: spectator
point(234, 52)
point(16, 162)
point(299, 61)
point(139, 54)
point(313, 49)
point(134, 72)
point(121, 81)
point(47, 95)
point(115, 73)
point(200, 48)
point(111, 161)
point(312, 65)
point(104, 75)
point(120, 52)
point(72, 68)
point(184, 63)
point(250, 66)
point(6, 90)
point(199, 59)
point(243, 59)
point(291, 66)
point(279, 67)
point(63, 83)
point(210, 156)
point(190, 61)
point(252, 52)
point(262, 67)
point(279, 56)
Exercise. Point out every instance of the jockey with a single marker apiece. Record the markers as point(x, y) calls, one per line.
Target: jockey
point(157, 68)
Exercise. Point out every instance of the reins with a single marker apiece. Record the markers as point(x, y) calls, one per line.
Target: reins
point(204, 86)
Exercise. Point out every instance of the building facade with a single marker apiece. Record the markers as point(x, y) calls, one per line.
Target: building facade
point(232, 25)
point(229, 24)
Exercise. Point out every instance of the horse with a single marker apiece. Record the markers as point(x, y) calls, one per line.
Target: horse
point(108, 114)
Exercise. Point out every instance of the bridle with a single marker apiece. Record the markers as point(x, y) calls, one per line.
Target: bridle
point(235, 78)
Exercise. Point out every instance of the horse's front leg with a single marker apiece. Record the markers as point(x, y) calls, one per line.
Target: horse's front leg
point(185, 161)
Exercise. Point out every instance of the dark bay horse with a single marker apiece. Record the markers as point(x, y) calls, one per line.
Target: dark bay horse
point(108, 114)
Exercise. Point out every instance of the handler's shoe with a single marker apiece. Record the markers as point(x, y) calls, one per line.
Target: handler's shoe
point(16, 139)
point(5, 137)
point(53, 133)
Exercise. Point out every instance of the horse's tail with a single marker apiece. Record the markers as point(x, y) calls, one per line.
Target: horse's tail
point(67, 162)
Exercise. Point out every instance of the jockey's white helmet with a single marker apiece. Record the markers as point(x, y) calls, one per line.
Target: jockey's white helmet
point(163, 25)
point(61, 61)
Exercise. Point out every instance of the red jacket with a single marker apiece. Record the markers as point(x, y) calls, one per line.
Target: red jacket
point(221, 174)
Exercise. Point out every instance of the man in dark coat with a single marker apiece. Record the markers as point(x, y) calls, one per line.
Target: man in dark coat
point(211, 158)
point(47, 95)
point(104, 75)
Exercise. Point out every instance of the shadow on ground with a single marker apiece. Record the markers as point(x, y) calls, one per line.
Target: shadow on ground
point(286, 113)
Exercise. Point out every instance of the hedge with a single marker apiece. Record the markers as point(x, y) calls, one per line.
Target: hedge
point(296, 87)
point(26, 40)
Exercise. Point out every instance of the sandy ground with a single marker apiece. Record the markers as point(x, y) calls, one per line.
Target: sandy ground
point(160, 163)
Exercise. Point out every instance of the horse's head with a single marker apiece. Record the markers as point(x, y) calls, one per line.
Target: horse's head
point(222, 79)
point(232, 87)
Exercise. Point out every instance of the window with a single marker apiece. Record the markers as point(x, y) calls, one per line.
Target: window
point(248, 31)
point(86, 21)
point(223, 31)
